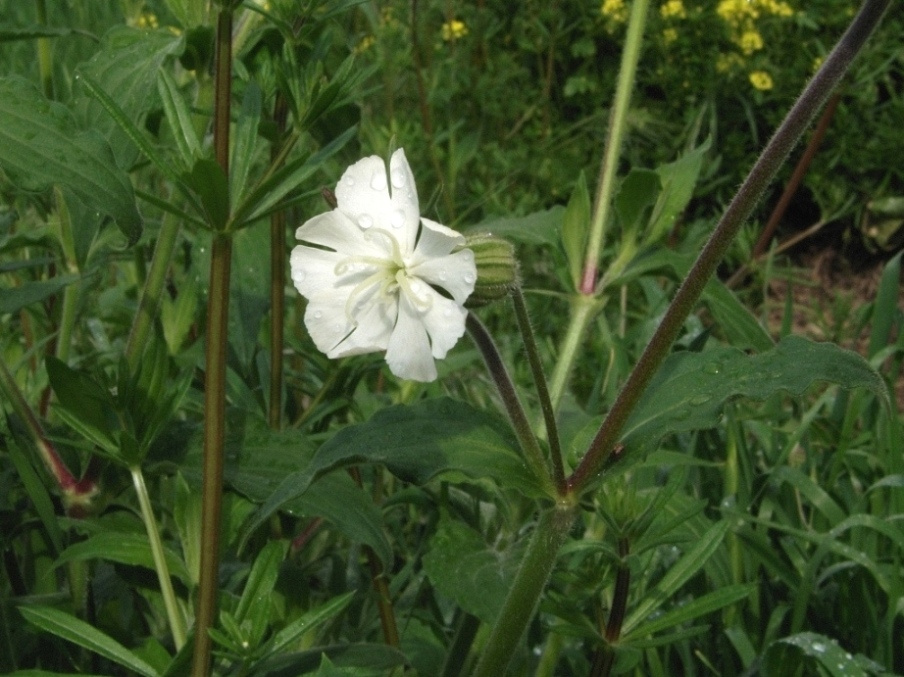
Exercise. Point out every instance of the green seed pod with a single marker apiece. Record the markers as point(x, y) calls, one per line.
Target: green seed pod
point(497, 268)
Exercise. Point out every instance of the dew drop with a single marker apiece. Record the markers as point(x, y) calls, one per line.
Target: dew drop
point(712, 367)
point(469, 278)
point(397, 219)
point(378, 181)
point(365, 221)
point(819, 648)
point(700, 399)
point(410, 197)
point(442, 277)
point(317, 314)
point(398, 179)
point(337, 327)
point(349, 181)
point(299, 275)
point(447, 312)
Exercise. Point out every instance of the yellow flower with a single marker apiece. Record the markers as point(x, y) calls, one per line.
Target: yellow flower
point(673, 9)
point(761, 80)
point(453, 30)
point(616, 10)
point(145, 20)
point(669, 35)
point(366, 43)
point(750, 41)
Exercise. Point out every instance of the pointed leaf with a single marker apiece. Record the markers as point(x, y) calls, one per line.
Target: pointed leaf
point(690, 389)
point(575, 224)
point(13, 299)
point(123, 548)
point(40, 146)
point(476, 576)
point(537, 228)
point(417, 443)
point(178, 116)
point(89, 406)
point(244, 141)
point(678, 181)
point(84, 635)
point(823, 650)
point(685, 613)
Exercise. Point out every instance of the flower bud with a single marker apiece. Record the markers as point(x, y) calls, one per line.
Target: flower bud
point(497, 268)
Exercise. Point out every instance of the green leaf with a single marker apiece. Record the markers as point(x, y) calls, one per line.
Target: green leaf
point(636, 195)
point(575, 224)
point(679, 573)
point(375, 659)
point(126, 67)
point(417, 443)
point(244, 141)
point(84, 404)
point(209, 182)
point(254, 605)
point(308, 621)
point(13, 33)
point(685, 613)
point(84, 635)
point(12, 300)
point(476, 576)
point(886, 305)
point(690, 389)
point(820, 649)
point(40, 146)
point(178, 115)
point(123, 548)
point(678, 181)
point(539, 228)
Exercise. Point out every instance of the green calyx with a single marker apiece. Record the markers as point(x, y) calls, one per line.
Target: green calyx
point(497, 268)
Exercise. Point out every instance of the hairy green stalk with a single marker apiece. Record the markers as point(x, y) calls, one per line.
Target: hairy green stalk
point(215, 369)
point(173, 613)
point(773, 156)
point(588, 302)
point(530, 447)
point(524, 595)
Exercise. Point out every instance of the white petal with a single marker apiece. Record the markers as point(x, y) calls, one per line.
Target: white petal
point(338, 232)
point(456, 273)
point(326, 325)
point(375, 322)
point(445, 324)
point(437, 239)
point(408, 354)
point(363, 194)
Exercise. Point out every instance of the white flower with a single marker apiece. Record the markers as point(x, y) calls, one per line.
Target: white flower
point(379, 277)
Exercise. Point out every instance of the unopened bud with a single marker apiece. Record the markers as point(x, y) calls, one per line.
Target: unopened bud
point(497, 268)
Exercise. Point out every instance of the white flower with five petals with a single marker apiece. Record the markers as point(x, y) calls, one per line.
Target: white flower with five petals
point(379, 277)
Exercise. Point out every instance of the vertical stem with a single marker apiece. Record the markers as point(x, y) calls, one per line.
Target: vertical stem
point(277, 284)
point(215, 369)
point(176, 621)
point(773, 156)
point(549, 415)
point(606, 660)
point(524, 595)
point(617, 119)
point(510, 400)
point(584, 308)
point(72, 292)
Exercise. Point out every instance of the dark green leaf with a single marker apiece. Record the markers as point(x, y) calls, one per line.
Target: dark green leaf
point(417, 443)
point(678, 181)
point(179, 118)
point(575, 224)
point(474, 575)
point(538, 228)
point(689, 611)
point(309, 621)
point(209, 182)
point(636, 195)
point(40, 146)
point(244, 142)
point(785, 653)
point(377, 658)
point(690, 389)
point(123, 548)
point(84, 635)
point(89, 406)
point(13, 299)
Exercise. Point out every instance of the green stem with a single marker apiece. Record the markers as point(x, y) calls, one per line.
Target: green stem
point(277, 285)
point(773, 156)
point(72, 292)
point(176, 621)
point(215, 369)
point(510, 400)
point(583, 309)
point(549, 416)
point(149, 304)
point(524, 595)
point(617, 122)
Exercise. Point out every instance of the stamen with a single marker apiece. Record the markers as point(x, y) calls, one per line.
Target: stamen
point(411, 289)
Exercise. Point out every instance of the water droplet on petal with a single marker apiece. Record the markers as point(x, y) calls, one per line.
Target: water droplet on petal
point(447, 312)
point(337, 327)
point(410, 197)
point(349, 181)
point(398, 178)
point(299, 275)
point(469, 278)
point(378, 181)
point(317, 314)
point(442, 277)
point(365, 221)
point(397, 219)
point(416, 287)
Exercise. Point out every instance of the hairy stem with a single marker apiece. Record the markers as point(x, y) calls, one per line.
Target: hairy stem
point(549, 416)
point(510, 400)
point(524, 595)
point(773, 156)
